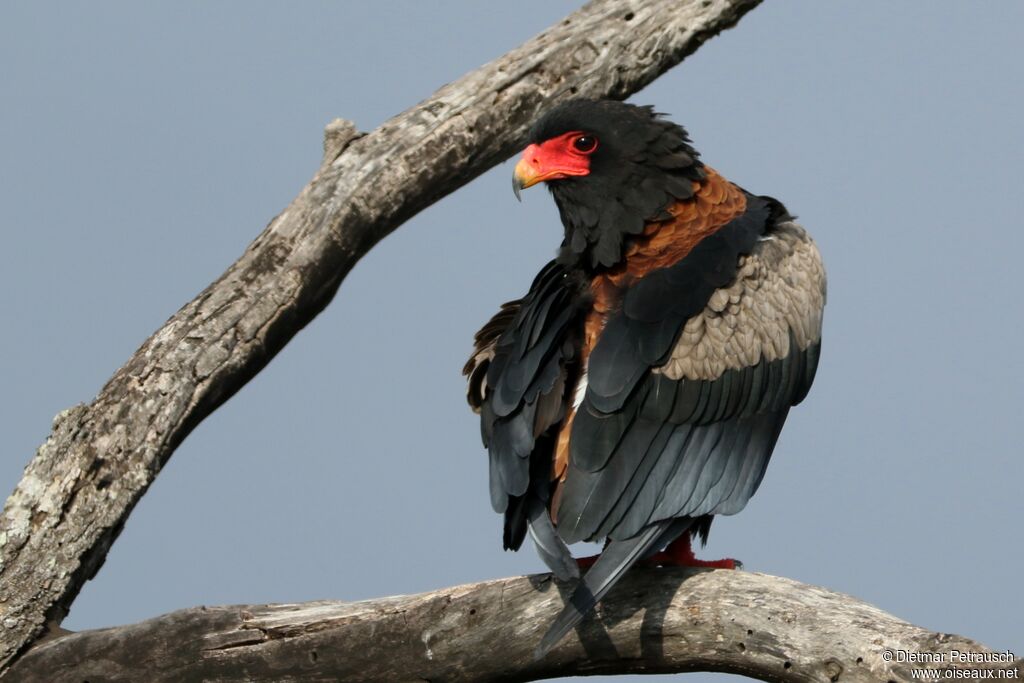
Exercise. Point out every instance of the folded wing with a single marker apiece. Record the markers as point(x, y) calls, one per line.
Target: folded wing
point(690, 383)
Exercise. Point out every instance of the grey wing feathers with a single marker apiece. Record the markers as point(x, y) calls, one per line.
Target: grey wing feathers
point(695, 434)
point(549, 544)
point(691, 435)
point(517, 382)
point(778, 293)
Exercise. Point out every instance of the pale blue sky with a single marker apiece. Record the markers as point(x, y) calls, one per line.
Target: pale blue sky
point(143, 146)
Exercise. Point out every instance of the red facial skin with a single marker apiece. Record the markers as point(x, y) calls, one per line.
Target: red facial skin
point(559, 157)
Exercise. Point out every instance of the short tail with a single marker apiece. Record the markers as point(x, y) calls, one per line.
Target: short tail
point(615, 559)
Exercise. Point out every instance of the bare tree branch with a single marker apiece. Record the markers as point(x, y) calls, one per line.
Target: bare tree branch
point(654, 622)
point(79, 489)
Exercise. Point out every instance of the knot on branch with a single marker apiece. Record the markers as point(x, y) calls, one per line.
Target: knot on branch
point(68, 416)
point(337, 136)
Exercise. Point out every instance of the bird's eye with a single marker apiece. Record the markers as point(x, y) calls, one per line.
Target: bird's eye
point(585, 144)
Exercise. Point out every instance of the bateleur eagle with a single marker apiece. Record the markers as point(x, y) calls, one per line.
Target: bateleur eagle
point(639, 387)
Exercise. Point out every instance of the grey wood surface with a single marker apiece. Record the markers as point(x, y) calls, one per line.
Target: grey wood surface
point(655, 621)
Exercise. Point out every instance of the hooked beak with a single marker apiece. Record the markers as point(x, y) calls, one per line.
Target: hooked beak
point(524, 176)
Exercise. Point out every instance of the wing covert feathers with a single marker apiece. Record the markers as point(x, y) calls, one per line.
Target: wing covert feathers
point(779, 290)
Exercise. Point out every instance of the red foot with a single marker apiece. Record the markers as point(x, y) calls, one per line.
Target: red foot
point(680, 554)
point(677, 554)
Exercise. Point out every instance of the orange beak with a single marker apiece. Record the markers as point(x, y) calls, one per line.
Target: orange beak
point(526, 175)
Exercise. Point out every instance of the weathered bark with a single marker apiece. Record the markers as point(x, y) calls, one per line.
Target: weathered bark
point(654, 622)
point(77, 492)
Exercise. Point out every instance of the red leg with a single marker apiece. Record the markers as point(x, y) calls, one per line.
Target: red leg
point(680, 554)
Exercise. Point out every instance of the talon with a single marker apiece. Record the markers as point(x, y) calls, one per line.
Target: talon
point(680, 554)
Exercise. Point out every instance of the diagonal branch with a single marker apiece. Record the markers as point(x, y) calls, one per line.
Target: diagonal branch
point(79, 489)
point(769, 628)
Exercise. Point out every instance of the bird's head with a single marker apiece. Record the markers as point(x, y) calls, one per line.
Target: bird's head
point(611, 168)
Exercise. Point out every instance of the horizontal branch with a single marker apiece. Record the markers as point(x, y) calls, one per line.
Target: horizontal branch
point(655, 621)
point(78, 491)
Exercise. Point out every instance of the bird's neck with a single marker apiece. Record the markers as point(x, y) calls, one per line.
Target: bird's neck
point(667, 239)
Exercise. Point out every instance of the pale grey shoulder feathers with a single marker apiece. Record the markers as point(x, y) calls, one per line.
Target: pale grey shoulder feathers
point(779, 289)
